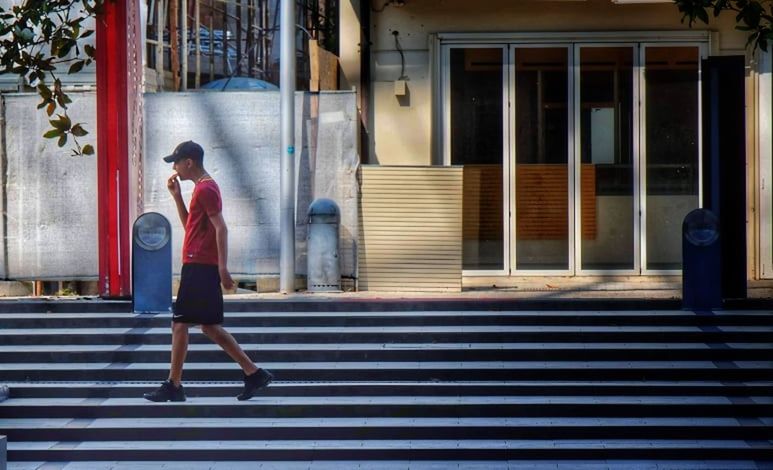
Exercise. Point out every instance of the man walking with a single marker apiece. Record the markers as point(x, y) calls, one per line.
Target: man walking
point(205, 267)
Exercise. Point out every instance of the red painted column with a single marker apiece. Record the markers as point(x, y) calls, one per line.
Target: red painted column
point(116, 58)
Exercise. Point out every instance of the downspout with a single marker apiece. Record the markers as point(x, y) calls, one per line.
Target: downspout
point(365, 86)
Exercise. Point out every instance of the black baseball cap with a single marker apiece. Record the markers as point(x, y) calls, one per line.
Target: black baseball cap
point(187, 149)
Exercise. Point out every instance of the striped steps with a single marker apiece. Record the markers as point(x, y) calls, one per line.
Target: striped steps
point(486, 389)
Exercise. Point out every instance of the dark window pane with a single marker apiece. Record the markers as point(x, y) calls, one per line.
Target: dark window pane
point(672, 150)
point(476, 143)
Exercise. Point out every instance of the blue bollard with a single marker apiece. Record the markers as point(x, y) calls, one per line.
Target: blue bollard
point(152, 264)
point(701, 261)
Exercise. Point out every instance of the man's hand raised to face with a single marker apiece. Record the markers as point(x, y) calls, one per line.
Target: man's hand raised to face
point(173, 185)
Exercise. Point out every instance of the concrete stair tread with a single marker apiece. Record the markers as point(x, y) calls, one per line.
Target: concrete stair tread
point(389, 346)
point(412, 313)
point(704, 399)
point(395, 444)
point(392, 329)
point(450, 383)
point(138, 423)
point(384, 365)
point(393, 401)
point(606, 464)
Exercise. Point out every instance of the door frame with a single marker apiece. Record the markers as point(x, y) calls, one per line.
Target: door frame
point(445, 73)
point(703, 49)
point(636, 212)
point(512, 178)
point(765, 149)
point(508, 42)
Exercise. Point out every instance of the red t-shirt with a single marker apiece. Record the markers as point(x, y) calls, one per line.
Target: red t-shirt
point(200, 244)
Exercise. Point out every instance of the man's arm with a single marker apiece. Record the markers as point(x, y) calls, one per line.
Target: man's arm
point(221, 234)
point(173, 185)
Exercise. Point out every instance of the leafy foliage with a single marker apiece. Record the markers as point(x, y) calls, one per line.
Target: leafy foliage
point(753, 16)
point(37, 36)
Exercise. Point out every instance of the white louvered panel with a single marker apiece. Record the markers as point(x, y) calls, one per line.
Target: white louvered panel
point(410, 229)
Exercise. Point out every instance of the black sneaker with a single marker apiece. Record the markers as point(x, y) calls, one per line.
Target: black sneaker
point(254, 382)
point(166, 392)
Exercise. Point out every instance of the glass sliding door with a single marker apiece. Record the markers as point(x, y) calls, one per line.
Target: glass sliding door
point(541, 178)
point(605, 168)
point(580, 158)
point(672, 149)
point(476, 88)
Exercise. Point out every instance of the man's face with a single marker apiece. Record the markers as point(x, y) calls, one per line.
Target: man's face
point(183, 168)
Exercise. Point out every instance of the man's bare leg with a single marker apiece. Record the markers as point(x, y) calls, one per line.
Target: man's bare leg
point(225, 340)
point(179, 351)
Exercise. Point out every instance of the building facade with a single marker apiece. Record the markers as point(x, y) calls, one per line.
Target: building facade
point(578, 126)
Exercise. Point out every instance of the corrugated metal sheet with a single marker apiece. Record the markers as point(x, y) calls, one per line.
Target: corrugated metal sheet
point(410, 229)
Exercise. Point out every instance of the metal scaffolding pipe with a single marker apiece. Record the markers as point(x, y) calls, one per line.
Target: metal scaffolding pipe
point(184, 45)
point(287, 151)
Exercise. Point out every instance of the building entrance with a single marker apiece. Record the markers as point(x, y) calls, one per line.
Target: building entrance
point(579, 158)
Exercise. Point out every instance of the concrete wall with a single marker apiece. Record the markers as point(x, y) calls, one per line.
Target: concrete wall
point(51, 197)
point(240, 134)
point(51, 204)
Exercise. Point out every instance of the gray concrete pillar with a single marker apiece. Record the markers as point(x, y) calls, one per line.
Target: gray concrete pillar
point(3, 453)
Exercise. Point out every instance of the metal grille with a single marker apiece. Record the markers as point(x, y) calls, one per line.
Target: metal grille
point(135, 86)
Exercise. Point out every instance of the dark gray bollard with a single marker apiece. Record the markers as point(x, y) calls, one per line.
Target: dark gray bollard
point(701, 261)
point(152, 263)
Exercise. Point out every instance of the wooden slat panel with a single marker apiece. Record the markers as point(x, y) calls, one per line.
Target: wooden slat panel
point(410, 229)
point(542, 202)
point(483, 199)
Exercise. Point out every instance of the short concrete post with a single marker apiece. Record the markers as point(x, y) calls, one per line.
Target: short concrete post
point(3, 453)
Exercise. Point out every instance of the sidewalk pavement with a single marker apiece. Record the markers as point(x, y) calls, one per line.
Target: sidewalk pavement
point(531, 288)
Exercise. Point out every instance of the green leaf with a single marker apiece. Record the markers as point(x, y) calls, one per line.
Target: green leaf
point(56, 46)
point(702, 15)
point(47, 65)
point(62, 140)
point(44, 91)
point(52, 134)
point(63, 99)
point(78, 131)
point(752, 38)
point(89, 50)
point(63, 123)
point(76, 66)
point(66, 48)
point(88, 149)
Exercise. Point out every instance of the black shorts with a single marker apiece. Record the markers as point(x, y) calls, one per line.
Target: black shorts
point(199, 299)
